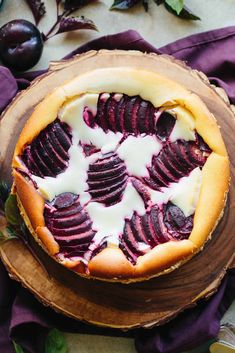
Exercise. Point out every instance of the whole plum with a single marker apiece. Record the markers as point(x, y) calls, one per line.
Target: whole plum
point(21, 45)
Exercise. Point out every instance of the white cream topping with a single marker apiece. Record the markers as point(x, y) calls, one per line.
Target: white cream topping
point(72, 114)
point(110, 220)
point(183, 194)
point(186, 193)
point(143, 246)
point(73, 179)
point(137, 153)
point(184, 125)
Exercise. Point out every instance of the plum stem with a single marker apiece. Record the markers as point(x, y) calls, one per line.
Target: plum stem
point(57, 22)
point(48, 34)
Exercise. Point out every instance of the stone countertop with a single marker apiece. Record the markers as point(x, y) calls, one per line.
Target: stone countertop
point(158, 27)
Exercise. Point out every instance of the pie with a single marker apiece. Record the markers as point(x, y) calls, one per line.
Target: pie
point(120, 173)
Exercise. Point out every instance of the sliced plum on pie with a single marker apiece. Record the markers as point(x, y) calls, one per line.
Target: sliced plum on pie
point(70, 225)
point(48, 154)
point(164, 126)
point(157, 226)
point(107, 178)
point(121, 113)
point(177, 224)
point(175, 161)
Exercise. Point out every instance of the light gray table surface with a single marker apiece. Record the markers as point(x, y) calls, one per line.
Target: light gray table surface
point(159, 28)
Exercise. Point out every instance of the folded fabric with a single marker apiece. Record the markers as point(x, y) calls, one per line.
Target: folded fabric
point(24, 319)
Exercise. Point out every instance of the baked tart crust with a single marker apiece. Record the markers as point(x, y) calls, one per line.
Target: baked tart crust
point(111, 263)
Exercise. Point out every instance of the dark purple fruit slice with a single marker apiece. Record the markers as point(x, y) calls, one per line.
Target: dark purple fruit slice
point(202, 144)
point(129, 244)
point(101, 118)
point(143, 233)
point(164, 126)
point(70, 224)
point(177, 224)
point(107, 179)
point(89, 149)
point(156, 219)
point(142, 190)
point(48, 153)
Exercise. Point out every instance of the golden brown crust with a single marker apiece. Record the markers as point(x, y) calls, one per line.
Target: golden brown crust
point(72, 263)
point(206, 124)
point(48, 240)
point(32, 202)
point(111, 263)
point(163, 256)
point(215, 184)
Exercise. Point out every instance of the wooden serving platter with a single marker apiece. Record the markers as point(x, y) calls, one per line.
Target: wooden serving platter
point(142, 304)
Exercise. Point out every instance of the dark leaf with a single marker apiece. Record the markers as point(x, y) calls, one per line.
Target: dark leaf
point(55, 342)
point(1, 3)
point(7, 233)
point(12, 212)
point(24, 232)
point(11, 233)
point(185, 13)
point(44, 37)
point(73, 5)
point(159, 2)
point(18, 349)
point(4, 193)
point(145, 5)
point(38, 9)
point(5, 236)
point(123, 4)
point(175, 5)
point(68, 24)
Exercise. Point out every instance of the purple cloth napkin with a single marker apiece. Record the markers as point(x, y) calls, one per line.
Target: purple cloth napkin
point(24, 319)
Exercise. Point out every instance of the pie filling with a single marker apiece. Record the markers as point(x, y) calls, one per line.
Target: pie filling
point(116, 171)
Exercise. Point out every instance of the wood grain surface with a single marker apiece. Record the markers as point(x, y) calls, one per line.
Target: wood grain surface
point(117, 305)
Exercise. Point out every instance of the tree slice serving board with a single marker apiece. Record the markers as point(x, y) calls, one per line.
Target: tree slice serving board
point(142, 304)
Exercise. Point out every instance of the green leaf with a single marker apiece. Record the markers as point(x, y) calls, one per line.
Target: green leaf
point(7, 234)
point(175, 5)
point(18, 349)
point(123, 4)
point(55, 342)
point(12, 212)
point(4, 193)
point(185, 13)
point(11, 233)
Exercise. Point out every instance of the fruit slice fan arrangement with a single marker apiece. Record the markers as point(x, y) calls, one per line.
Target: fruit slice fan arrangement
point(116, 182)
